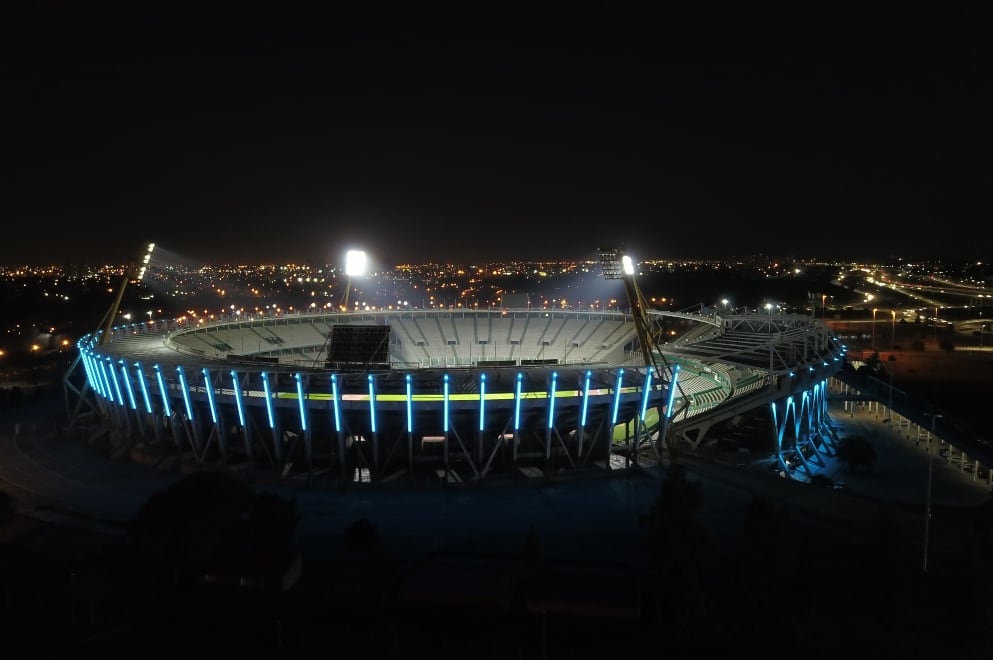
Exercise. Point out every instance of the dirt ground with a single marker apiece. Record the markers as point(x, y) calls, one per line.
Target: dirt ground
point(958, 381)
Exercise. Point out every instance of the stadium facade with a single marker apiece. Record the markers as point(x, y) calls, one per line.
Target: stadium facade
point(449, 396)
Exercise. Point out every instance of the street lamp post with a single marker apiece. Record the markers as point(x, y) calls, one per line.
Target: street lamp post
point(874, 310)
point(893, 330)
point(823, 300)
point(927, 501)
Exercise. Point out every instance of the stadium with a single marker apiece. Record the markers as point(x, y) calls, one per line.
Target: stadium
point(446, 396)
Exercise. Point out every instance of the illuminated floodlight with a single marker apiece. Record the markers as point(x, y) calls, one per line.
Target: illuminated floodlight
point(145, 260)
point(610, 263)
point(355, 262)
point(627, 265)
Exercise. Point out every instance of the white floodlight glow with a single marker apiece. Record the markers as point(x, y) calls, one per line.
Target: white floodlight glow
point(627, 265)
point(355, 261)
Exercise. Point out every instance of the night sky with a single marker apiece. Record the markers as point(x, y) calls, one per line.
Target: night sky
point(264, 133)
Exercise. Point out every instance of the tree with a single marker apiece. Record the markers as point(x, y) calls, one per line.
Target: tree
point(856, 451)
point(679, 549)
point(177, 530)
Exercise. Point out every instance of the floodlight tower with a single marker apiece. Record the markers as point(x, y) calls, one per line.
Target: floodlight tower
point(355, 265)
point(133, 271)
point(355, 262)
point(616, 265)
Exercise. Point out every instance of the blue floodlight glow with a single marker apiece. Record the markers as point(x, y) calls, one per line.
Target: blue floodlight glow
point(209, 386)
point(646, 392)
point(551, 399)
point(410, 406)
point(127, 384)
point(268, 399)
point(334, 403)
point(186, 392)
point(517, 401)
point(109, 368)
point(482, 401)
point(301, 402)
point(163, 392)
point(586, 398)
point(617, 397)
point(144, 387)
point(445, 406)
point(372, 403)
point(237, 397)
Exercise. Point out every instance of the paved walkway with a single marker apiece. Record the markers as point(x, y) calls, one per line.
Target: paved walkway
point(578, 519)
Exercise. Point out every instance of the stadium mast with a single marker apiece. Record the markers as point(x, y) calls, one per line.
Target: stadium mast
point(618, 266)
point(131, 272)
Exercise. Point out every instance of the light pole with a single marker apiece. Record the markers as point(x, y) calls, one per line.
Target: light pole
point(889, 409)
point(893, 330)
point(823, 300)
point(874, 310)
point(355, 263)
point(927, 502)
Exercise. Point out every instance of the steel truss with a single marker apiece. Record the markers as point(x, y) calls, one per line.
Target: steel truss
point(353, 427)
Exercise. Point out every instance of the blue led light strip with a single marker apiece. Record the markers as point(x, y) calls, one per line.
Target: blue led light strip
point(209, 386)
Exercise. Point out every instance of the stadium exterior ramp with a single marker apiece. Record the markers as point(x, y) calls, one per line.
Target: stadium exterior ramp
point(449, 396)
point(782, 362)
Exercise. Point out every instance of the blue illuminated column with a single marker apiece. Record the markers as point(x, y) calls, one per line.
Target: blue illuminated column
point(672, 392)
point(163, 391)
point(410, 405)
point(267, 390)
point(93, 376)
point(107, 387)
point(617, 399)
point(644, 395)
point(410, 421)
point(586, 398)
point(581, 432)
point(445, 407)
point(126, 375)
point(209, 386)
point(372, 420)
point(517, 403)
point(445, 423)
point(482, 402)
point(482, 416)
point(551, 415)
point(302, 403)
point(336, 409)
point(276, 442)
point(517, 412)
point(239, 402)
point(372, 403)
point(140, 373)
point(184, 388)
point(112, 376)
